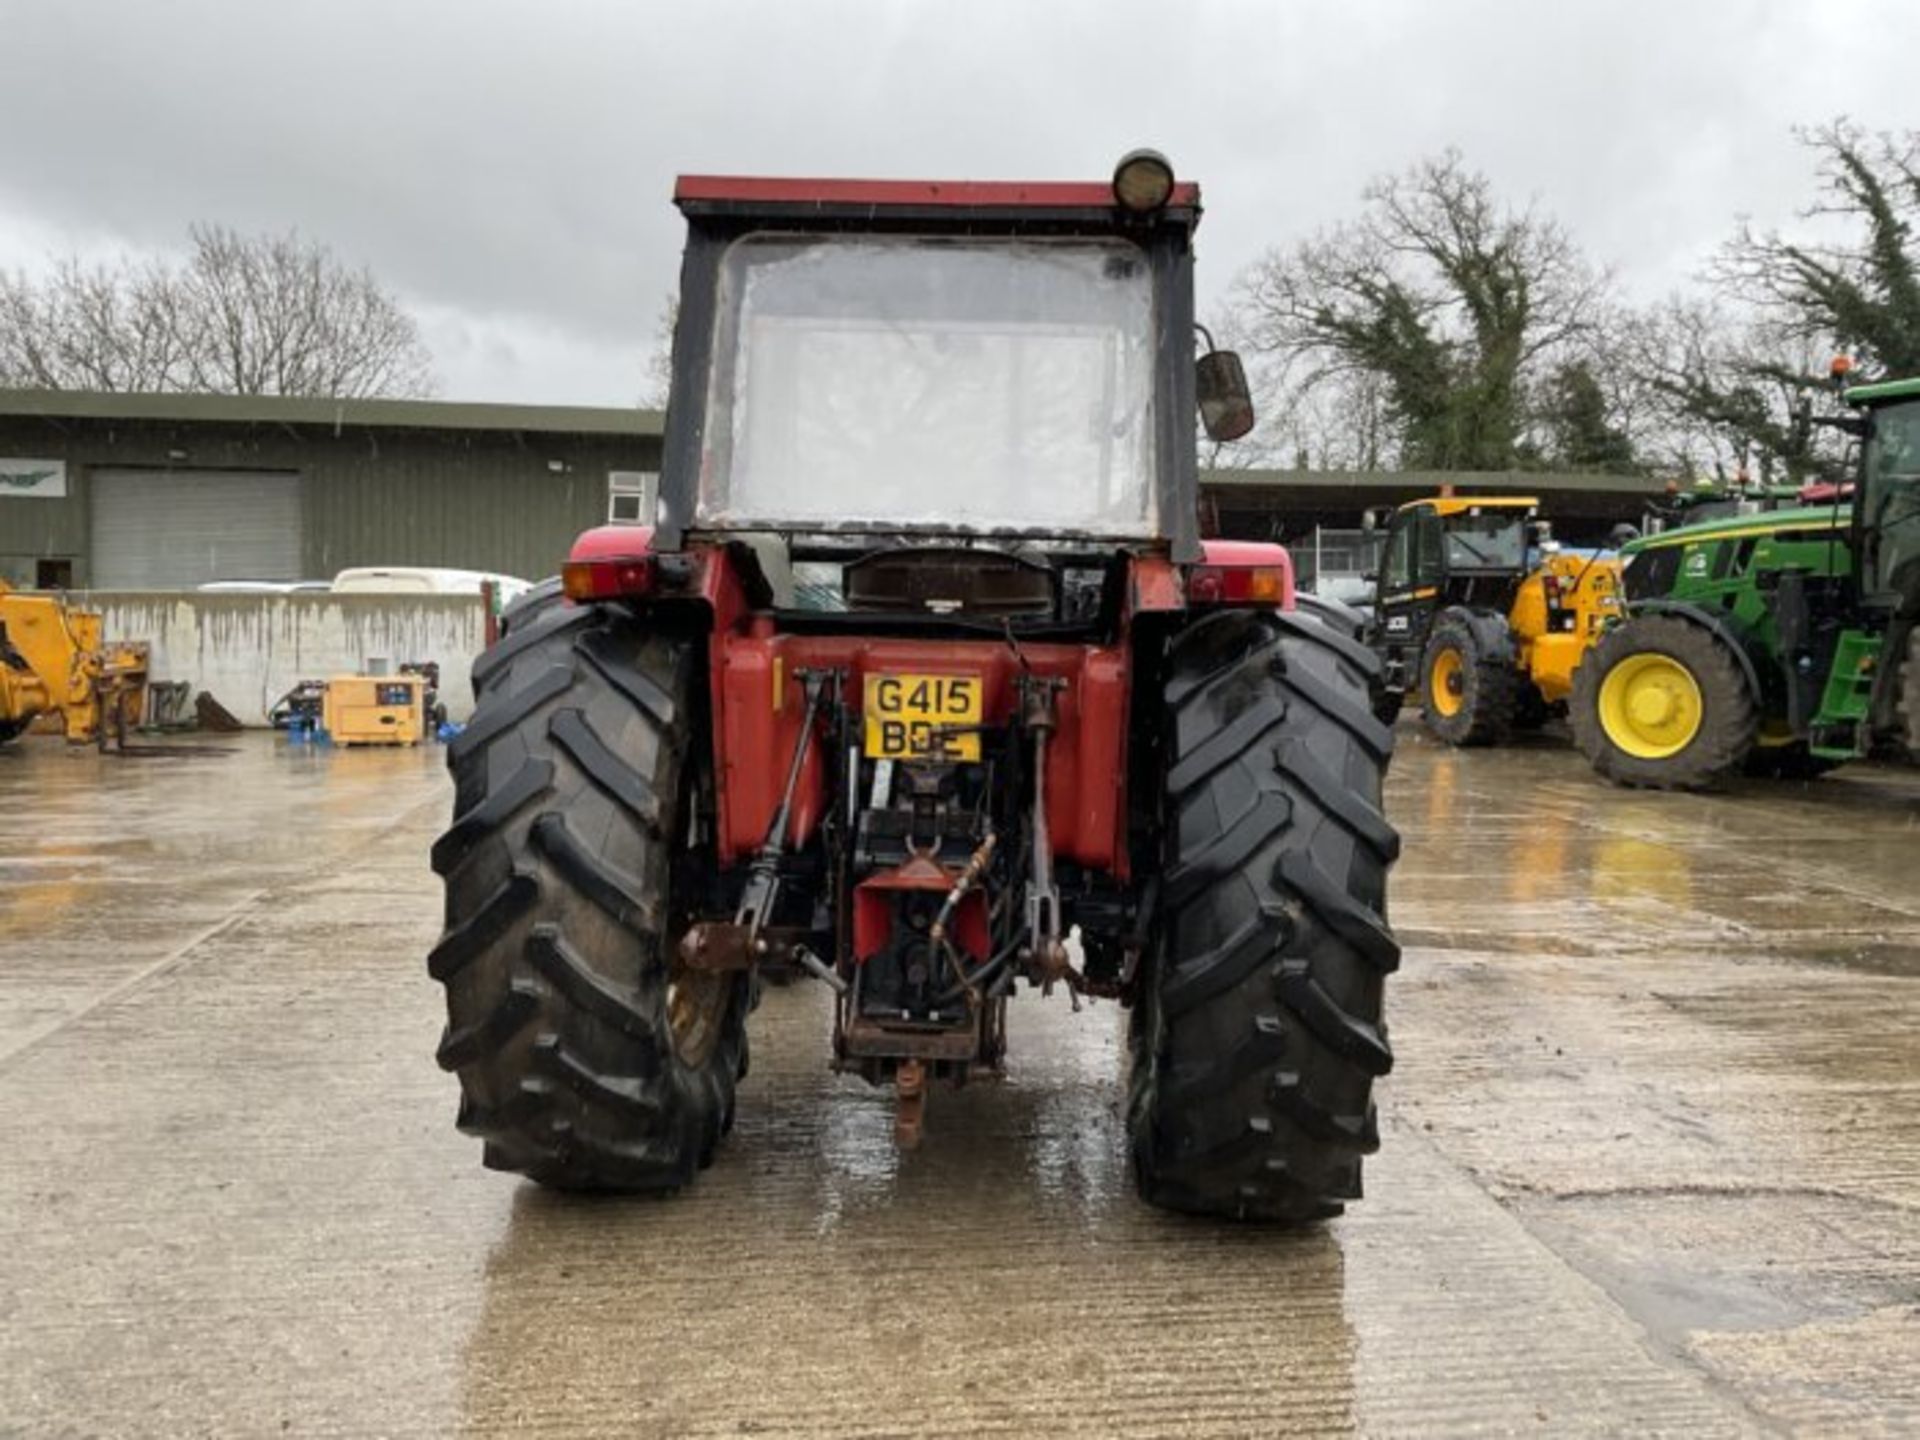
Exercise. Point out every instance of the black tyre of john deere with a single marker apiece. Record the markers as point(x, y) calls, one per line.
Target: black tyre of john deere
point(571, 804)
point(1481, 681)
point(1908, 702)
point(1729, 724)
point(1257, 1034)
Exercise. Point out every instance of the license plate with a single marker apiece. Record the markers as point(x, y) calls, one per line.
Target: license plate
point(914, 717)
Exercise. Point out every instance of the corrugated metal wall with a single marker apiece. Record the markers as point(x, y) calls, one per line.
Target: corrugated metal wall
point(479, 500)
point(36, 528)
point(479, 503)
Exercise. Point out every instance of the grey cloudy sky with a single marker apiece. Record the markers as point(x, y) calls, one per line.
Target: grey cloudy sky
point(505, 164)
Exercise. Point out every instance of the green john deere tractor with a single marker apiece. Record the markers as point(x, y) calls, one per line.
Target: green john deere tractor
point(1780, 643)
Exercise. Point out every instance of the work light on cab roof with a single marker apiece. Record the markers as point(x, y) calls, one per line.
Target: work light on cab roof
point(1143, 181)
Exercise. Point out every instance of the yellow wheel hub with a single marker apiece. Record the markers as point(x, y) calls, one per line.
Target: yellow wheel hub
point(1650, 706)
point(1446, 683)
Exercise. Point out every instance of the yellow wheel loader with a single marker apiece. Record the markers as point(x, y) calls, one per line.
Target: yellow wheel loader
point(1482, 618)
point(54, 662)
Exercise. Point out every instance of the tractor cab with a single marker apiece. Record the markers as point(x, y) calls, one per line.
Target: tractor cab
point(934, 400)
point(1887, 518)
point(1886, 535)
point(1448, 551)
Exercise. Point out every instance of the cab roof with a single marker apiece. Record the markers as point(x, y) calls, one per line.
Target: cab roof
point(1458, 504)
point(722, 194)
point(1882, 390)
point(1763, 522)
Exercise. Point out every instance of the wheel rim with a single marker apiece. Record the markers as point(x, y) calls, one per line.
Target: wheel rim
point(697, 1000)
point(1650, 706)
point(696, 1011)
point(1446, 682)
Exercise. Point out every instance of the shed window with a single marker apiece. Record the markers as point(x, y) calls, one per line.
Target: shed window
point(631, 496)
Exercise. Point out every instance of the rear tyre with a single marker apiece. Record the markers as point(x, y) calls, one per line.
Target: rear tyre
point(1469, 692)
point(534, 602)
point(1335, 614)
point(1258, 1033)
point(1908, 704)
point(10, 728)
point(586, 1060)
point(1354, 624)
point(1662, 702)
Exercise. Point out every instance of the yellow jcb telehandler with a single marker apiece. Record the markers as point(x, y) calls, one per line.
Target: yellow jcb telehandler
point(1482, 618)
point(54, 662)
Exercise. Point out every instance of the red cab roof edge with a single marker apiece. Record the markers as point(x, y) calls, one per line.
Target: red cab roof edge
point(959, 194)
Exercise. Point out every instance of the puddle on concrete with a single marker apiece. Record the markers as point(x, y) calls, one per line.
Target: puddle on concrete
point(1686, 1261)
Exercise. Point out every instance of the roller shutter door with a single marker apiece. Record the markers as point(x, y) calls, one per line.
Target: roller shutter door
point(175, 529)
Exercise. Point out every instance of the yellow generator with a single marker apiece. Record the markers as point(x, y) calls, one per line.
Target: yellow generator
point(375, 709)
point(1482, 618)
point(54, 662)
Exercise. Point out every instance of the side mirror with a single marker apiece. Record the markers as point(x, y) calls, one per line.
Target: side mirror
point(1226, 401)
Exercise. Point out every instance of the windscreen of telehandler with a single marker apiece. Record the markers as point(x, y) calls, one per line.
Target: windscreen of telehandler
point(1489, 542)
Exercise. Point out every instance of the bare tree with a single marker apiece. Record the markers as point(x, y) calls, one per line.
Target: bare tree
point(1859, 291)
point(1725, 387)
point(1438, 305)
point(659, 382)
point(1731, 371)
point(91, 327)
point(241, 315)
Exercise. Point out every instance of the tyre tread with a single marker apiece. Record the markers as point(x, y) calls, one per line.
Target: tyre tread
point(1258, 1034)
point(1491, 701)
point(554, 956)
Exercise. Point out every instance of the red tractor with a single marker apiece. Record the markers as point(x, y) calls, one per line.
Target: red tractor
point(925, 684)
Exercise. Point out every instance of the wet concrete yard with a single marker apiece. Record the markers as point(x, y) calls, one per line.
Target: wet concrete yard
point(1651, 1160)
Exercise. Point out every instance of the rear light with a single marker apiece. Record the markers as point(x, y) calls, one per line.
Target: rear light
point(1239, 585)
point(607, 579)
